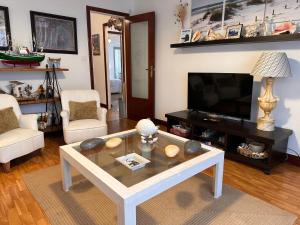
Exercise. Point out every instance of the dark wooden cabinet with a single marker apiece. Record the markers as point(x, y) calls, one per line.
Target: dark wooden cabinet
point(234, 133)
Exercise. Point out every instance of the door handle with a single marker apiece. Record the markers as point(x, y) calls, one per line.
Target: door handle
point(151, 69)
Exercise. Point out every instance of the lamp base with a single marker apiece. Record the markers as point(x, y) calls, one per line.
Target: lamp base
point(266, 124)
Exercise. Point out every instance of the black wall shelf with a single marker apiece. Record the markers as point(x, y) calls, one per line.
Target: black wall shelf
point(263, 39)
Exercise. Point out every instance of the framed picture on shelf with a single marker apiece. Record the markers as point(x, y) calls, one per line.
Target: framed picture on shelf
point(5, 35)
point(96, 44)
point(185, 36)
point(234, 32)
point(53, 33)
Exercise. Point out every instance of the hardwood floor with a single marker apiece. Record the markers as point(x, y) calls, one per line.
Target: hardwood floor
point(17, 206)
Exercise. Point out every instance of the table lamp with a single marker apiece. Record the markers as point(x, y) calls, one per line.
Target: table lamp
point(270, 65)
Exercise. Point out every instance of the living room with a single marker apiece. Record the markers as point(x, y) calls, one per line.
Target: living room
point(53, 183)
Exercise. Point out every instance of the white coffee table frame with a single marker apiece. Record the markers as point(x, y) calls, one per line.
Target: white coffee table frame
point(127, 198)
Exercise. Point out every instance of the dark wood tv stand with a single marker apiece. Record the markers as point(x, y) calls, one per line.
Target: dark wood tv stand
point(234, 133)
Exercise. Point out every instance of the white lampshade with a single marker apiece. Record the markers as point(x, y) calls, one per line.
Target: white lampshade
point(272, 64)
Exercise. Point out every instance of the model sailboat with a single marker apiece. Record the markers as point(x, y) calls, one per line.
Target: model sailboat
point(21, 56)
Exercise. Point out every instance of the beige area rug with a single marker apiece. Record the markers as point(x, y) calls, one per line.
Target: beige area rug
point(189, 203)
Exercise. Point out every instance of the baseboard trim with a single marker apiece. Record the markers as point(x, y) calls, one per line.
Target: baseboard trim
point(160, 122)
point(295, 160)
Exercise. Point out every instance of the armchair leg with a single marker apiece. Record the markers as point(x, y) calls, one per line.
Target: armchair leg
point(6, 167)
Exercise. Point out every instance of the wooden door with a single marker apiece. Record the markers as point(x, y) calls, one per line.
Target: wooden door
point(140, 65)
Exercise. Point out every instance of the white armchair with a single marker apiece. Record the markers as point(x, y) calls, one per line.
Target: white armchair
point(80, 130)
point(21, 141)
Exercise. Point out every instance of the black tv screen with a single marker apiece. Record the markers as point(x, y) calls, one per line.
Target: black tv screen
point(225, 94)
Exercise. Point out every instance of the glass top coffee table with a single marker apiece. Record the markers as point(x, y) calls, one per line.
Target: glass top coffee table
point(128, 188)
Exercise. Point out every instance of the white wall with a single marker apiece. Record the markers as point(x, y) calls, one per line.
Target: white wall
point(173, 65)
point(79, 75)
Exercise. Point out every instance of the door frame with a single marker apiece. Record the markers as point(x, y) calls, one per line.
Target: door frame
point(151, 61)
point(90, 9)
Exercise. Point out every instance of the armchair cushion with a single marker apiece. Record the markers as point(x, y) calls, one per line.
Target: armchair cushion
point(83, 110)
point(8, 120)
point(80, 130)
point(19, 142)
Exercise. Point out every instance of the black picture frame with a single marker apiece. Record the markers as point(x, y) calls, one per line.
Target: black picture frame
point(236, 29)
point(7, 28)
point(68, 30)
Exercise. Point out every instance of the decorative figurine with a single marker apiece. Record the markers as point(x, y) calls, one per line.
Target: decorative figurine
point(28, 91)
point(42, 121)
point(147, 129)
point(16, 87)
point(41, 92)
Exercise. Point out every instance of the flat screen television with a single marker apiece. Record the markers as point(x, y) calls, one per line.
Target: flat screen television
point(224, 94)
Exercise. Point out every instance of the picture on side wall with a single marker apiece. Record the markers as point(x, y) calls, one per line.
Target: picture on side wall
point(53, 33)
point(96, 44)
point(5, 35)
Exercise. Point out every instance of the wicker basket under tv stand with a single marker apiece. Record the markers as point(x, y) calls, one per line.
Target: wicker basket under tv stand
point(236, 132)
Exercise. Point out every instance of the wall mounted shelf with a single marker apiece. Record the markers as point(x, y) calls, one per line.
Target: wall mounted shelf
point(22, 69)
point(263, 39)
point(38, 101)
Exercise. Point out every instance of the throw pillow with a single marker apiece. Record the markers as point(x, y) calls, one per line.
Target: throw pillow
point(8, 120)
point(83, 110)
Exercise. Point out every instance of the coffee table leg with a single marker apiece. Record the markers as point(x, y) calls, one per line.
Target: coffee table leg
point(218, 173)
point(66, 174)
point(126, 214)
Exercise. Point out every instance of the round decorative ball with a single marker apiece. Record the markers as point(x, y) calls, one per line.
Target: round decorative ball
point(192, 147)
point(113, 142)
point(91, 143)
point(172, 150)
point(146, 127)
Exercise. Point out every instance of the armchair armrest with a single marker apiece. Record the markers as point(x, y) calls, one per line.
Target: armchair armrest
point(29, 121)
point(101, 112)
point(65, 115)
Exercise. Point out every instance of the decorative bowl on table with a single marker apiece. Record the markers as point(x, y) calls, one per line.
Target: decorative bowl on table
point(245, 150)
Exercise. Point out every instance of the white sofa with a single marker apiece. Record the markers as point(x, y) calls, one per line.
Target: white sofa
point(80, 130)
point(21, 141)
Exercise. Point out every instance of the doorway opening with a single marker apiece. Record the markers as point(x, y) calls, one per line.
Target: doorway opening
point(106, 54)
point(122, 62)
point(114, 61)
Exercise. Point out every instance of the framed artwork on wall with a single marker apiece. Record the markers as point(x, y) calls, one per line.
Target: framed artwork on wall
point(53, 33)
point(259, 17)
point(5, 35)
point(96, 44)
